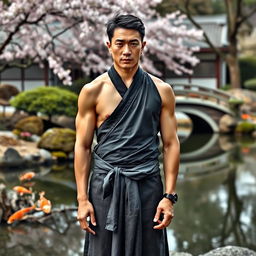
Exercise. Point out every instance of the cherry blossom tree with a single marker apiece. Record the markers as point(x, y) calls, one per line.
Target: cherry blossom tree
point(58, 32)
point(238, 13)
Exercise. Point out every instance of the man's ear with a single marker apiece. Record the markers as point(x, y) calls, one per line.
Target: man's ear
point(143, 45)
point(109, 46)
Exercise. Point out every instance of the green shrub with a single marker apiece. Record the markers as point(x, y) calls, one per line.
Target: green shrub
point(235, 101)
point(250, 84)
point(226, 87)
point(47, 100)
point(245, 127)
point(247, 67)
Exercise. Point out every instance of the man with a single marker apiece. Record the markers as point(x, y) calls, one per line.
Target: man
point(127, 107)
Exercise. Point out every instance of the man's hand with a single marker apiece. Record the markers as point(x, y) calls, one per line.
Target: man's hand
point(85, 209)
point(164, 207)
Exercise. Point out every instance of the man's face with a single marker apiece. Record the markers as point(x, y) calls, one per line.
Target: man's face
point(126, 47)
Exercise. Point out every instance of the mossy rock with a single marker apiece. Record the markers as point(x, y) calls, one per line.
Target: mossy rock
point(16, 132)
point(235, 101)
point(32, 124)
point(58, 167)
point(245, 127)
point(58, 139)
point(59, 154)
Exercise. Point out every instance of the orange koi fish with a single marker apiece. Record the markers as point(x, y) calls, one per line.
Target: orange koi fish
point(245, 116)
point(27, 176)
point(22, 190)
point(44, 204)
point(19, 214)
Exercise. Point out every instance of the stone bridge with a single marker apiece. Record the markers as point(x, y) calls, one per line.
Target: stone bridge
point(204, 106)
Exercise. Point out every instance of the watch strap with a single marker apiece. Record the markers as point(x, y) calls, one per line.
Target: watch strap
point(172, 197)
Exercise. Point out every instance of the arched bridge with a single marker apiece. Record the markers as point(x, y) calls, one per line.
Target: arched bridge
point(205, 106)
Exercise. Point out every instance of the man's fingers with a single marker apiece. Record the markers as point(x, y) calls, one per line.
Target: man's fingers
point(88, 229)
point(84, 225)
point(93, 220)
point(158, 213)
point(166, 221)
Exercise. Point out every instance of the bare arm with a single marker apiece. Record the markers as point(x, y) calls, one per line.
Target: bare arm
point(171, 146)
point(85, 125)
point(171, 154)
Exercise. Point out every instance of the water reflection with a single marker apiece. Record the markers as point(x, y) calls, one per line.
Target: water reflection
point(217, 208)
point(40, 240)
point(217, 191)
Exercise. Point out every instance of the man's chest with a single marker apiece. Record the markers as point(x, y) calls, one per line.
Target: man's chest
point(107, 101)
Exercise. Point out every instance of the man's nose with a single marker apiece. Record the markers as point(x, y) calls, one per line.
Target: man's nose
point(126, 49)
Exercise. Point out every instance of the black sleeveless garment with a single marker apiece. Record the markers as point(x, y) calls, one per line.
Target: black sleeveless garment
point(125, 186)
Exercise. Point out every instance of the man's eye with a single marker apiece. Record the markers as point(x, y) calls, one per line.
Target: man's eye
point(119, 44)
point(134, 44)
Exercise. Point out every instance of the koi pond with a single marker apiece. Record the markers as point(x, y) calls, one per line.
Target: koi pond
point(217, 202)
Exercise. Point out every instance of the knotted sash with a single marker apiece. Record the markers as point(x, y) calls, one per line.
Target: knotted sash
point(112, 185)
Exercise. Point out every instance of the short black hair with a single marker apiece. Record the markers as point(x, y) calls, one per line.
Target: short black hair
point(127, 21)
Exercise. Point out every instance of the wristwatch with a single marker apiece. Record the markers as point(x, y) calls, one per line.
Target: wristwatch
point(172, 197)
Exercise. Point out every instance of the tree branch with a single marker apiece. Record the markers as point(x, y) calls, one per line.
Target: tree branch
point(197, 25)
point(10, 36)
point(16, 65)
point(239, 8)
point(66, 29)
point(37, 20)
point(246, 17)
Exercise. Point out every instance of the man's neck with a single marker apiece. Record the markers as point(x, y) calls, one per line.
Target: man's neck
point(126, 74)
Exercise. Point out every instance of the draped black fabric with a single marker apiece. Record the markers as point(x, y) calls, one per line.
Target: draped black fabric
point(125, 186)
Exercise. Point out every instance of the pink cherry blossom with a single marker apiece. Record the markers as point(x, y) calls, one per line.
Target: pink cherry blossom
point(73, 31)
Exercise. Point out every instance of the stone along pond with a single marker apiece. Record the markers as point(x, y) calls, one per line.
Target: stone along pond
point(217, 206)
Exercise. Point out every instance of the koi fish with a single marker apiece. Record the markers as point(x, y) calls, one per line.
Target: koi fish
point(245, 116)
point(27, 176)
point(22, 190)
point(44, 204)
point(19, 214)
point(245, 150)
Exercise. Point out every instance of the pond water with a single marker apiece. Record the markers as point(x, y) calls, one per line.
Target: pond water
point(217, 206)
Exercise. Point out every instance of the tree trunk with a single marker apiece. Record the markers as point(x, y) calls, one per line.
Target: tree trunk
point(232, 8)
point(234, 70)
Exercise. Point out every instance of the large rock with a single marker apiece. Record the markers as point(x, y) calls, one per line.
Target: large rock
point(58, 139)
point(230, 251)
point(32, 124)
point(179, 254)
point(12, 155)
point(11, 158)
point(7, 91)
point(227, 124)
point(14, 118)
point(247, 96)
point(64, 121)
point(45, 154)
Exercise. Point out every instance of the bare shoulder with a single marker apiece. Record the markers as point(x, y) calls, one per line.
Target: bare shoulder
point(94, 87)
point(89, 93)
point(164, 89)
